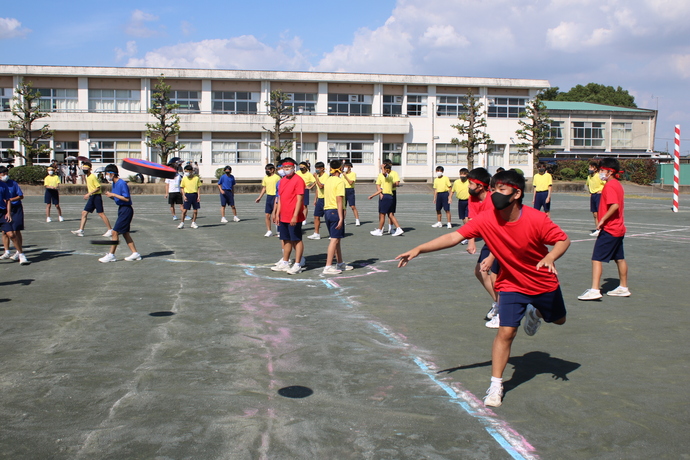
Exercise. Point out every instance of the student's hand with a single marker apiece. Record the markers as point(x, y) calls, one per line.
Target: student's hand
point(405, 257)
point(548, 262)
point(372, 196)
point(86, 197)
point(450, 200)
point(293, 222)
point(198, 199)
point(340, 224)
point(485, 265)
point(433, 200)
point(548, 200)
point(109, 194)
point(8, 217)
point(471, 247)
point(166, 196)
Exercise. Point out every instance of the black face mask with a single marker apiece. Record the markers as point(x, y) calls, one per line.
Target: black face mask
point(542, 171)
point(303, 169)
point(463, 178)
point(500, 200)
point(268, 173)
point(474, 191)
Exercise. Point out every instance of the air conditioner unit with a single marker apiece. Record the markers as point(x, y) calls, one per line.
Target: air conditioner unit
point(59, 146)
point(93, 146)
point(491, 101)
point(354, 98)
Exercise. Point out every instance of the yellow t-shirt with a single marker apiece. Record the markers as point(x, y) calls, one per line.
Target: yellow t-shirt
point(332, 189)
point(93, 185)
point(307, 177)
point(442, 184)
point(190, 184)
point(395, 177)
point(51, 181)
point(386, 183)
point(322, 178)
point(542, 182)
point(594, 184)
point(461, 189)
point(353, 177)
point(270, 183)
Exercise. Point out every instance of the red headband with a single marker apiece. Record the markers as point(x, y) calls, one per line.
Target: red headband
point(508, 185)
point(476, 181)
point(608, 169)
point(287, 163)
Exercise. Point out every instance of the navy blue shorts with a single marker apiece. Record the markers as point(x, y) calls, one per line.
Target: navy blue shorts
point(540, 201)
point(17, 217)
point(483, 254)
point(270, 204)
point(394, 207)
point(4, 225)
point(512, 306)
point(227, 198)
point(350, 197)
point(386, 204)
point(306, 197)
point(124, 219)
point(175, 198)
point(318, 209)
point(463, 209)
point(95, 202)
point(442, 201)
point(332, 222)
point(608, 247)
point(192, 201)
point(594, 200)
point(289, 232)
point(52, 196)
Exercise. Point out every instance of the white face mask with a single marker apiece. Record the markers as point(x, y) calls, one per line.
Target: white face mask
point(289, 172)
point(51, 172)
point(439, 174)
point(603, 176)
point(346, 169)
point(186, 174)
point(4, 178)
point(281, 173)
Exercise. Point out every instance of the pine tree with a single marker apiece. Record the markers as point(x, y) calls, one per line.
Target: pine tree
point(162, 134)
point(26, 104)
point(535, 130)
point(281, 112)
point(471, 126)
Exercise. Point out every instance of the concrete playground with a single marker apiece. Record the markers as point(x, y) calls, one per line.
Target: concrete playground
point(200, 351)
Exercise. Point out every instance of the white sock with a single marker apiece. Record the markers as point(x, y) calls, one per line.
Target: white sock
point(497, 382)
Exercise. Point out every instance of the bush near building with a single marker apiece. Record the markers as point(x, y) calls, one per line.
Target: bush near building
point(638, 170)
point(30, 175)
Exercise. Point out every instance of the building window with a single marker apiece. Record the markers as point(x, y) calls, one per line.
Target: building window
point(64, 149)
point(43, 158)
point(58, 100)
point(496, 155)
point(450, 106)
point(517, 158)
point(102, 151)
point(114, 100)
point(304, 101)
point(188, 101)
point(393, 152)
point(355, 152)
point(588, 134)
point(306, 152)
point(621, 135)
point(232, 152)
point(506, 107)
point(416, 105)
point(191, 151)
point(349, 104)
point(416, 154)
point(450, 154)
point(5, 99)
point(556, 133)
point(234, 102)
point(392, 106)
point(5, 145)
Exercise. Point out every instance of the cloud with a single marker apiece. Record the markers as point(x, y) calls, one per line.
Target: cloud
point(129, 51)
point(11, 28)
point(137, 24)
point(187, 28)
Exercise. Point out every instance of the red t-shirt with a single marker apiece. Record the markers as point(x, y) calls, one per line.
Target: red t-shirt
point(611, 194)
point(288, 189)
point(518, 246)
point(475, 206)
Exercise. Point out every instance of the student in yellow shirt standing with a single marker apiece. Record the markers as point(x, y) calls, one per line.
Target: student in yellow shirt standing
point(594, 186)
point(384, 187)
point(191, 197)
point(309, 183)
point(268, 188)
point(334, 215)
point(461, 189)
point(320, 178)
point(52, 196)
point(442, 197)
point(350, 177)
point(543, 183)
point(94, 201)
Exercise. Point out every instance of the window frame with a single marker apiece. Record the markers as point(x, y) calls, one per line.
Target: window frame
point(252, 102)
point(415, 155)
point(393, 106)
point(446, 107)
point(583, 136)
point(347, 153)
point(133, 104)
point(422, 103)
point(512, 105)
point(53, 99)
point(337, 102)
point(239, 154)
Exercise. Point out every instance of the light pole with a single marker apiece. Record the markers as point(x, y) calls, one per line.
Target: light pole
point(300, 109)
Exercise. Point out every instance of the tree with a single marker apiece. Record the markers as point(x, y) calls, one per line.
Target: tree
point(281, 112)
point(162, 134)
point(592, 92)
point(471, 126)
point(26, 108)
point(535, 131)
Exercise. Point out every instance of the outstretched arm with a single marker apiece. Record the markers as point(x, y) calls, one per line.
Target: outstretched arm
point(442, 242)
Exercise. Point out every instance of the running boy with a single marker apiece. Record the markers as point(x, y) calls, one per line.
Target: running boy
point(384, 187)
point(594, 186)
point(190, 186)
point(350, 178)
point(268, 188)
point(309, 182)
point(528, 282)
point(226, 183)
point(94, 201)
point(51, 182)
point(12, 220)
point(461, 191)
point(120, 193)
point(611, 226)
point(320, 179)
point(290, 214)
point(442, 196)
point(334, 206)
point(543, 183)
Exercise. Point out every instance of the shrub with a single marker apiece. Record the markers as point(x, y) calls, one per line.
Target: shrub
point(220, 172)
point(639, 170)
point(519, 171)
point(30, 175)
point(567, 173)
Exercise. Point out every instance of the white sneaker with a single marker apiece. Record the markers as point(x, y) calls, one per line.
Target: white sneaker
point(194, 225)
point(61, 219)
point(22, 260)
point(48, 219)
point(331, 270)
point(281, 266)
point(181, 225)
point(295, 269)
point(398, 231)
point(108, 234)
point(493, 311)
point(620, 291)
point(449, 225)
point(357, 224)
point(463, 242)
point(590, 294)
point(390, 229)
point(223, 220)
point(268, 233)
point(304, 222)
point(107, 258)
point(494, 396)
point(315, 236)
point(344, 267)
point(176, 218)
point(437, 225)
point(493, 323)
point(78, 232)
point(532, 321)
point(188, 218)
point(236, 219)
point(594, 233)
point(377, 232)
point(14, 256)
point(5, 255)
point(134, 256)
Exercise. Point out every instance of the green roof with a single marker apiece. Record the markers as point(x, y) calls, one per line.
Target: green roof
point(588, 106)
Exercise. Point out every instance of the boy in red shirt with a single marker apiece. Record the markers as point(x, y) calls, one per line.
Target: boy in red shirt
point(289, 217)
point(517, 236)
point(611, 227)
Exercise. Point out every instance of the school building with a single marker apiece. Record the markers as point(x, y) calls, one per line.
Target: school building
point(101, 113)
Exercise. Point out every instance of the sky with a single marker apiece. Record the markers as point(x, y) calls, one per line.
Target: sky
point(641, 45)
